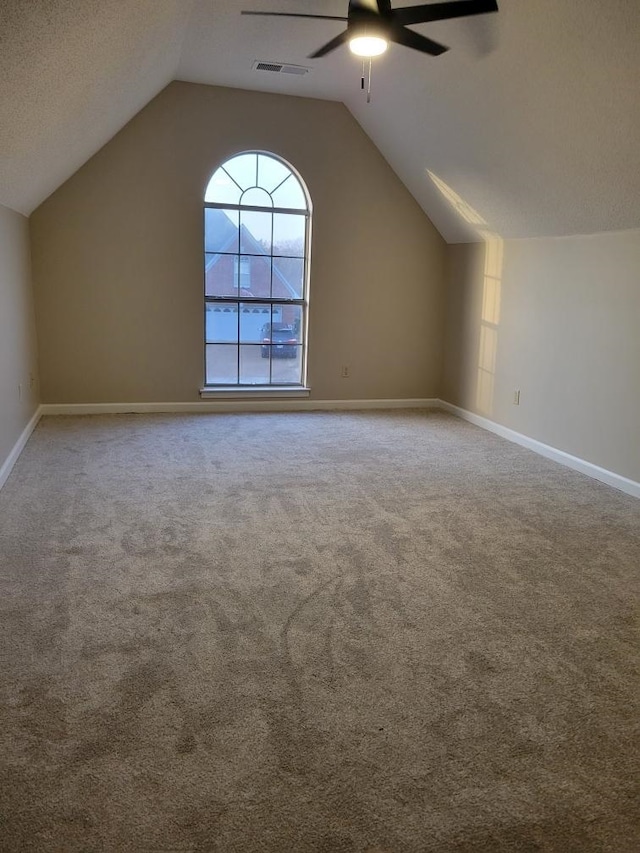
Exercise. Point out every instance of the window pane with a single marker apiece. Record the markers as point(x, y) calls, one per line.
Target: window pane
point(271, 172)
point(255, 233)
point(284, 327)
point(254, 364)
point(221, 323)
point(222, 189)
point(290, 195)
point(221, 230)
point(288, 277)
point(243, 169)
point(220, 277)
point(292, 319)
point(286, 368)
point(222, 364)
point(255, 276)
point(288, 234)
point(276, 317)
point(254, 322)
point(256, 197)
point(242, 271)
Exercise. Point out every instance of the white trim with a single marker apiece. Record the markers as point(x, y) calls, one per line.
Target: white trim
point(18, 447)
point(279, 405)
point(249, 393)
point(624, 484)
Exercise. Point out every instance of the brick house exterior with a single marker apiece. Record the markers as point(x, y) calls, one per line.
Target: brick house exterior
point(248, 276)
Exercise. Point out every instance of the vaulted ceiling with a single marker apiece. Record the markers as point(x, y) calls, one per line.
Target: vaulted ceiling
point(528, 126)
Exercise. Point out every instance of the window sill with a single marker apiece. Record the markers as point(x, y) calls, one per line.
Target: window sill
point(251, 393)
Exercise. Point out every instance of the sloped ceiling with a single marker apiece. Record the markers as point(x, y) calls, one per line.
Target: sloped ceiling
point(72, 73)
point(529, 126)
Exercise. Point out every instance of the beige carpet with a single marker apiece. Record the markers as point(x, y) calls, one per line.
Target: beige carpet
point(380, 632)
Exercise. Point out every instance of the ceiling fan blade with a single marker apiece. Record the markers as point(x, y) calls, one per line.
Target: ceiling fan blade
point(330, 45)
point(443, 11)
point(295, 15)
point(367, 6)
point(407, 38)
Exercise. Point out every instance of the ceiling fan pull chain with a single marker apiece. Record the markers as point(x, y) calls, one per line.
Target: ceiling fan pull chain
point(369, 84)
point(362, 78)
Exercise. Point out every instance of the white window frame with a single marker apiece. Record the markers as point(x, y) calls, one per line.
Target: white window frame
point(238, 300)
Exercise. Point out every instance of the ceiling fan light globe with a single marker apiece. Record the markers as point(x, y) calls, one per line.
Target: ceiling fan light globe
point(368, 45)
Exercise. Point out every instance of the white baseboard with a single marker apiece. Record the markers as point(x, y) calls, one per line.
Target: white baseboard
point(630, 487)
point(18, 447)
point(273, 405)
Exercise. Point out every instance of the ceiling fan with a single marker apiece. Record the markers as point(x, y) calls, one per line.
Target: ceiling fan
point(372, 24)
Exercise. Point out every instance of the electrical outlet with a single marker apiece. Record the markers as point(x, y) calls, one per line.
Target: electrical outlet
point(344, 371)
point(516, 397)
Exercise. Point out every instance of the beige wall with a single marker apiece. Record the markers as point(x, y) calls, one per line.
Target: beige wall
point(18, 352)
point(117, 255)
point(560, 320)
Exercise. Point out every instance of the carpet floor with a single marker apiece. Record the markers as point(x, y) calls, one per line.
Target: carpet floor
point(369, 632)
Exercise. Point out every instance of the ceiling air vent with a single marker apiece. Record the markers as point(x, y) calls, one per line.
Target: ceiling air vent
point(280, 68)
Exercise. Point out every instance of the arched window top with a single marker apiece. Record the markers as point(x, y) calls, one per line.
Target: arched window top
point(257, 179)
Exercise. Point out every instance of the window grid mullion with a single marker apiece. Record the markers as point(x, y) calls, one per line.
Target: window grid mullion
point(296, 211)
point(271, 306)
point(238, 347)
point(255, 300)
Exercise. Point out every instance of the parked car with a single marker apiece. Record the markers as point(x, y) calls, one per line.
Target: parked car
point(279, 339)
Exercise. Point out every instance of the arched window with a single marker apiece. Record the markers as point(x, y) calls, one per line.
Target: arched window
point(257, 218)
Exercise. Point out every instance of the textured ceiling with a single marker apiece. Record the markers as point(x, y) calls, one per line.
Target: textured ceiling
point(529, 126)
point(72, 73)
